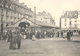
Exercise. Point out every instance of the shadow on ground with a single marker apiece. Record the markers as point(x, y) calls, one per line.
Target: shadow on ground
point(76, 41)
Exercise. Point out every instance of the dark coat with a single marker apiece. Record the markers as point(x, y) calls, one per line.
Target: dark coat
point(9, 36)
point(15, 40)
point(68, 35)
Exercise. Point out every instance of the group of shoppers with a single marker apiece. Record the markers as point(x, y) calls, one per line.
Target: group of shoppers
point(15, 37)
point(38, 34)
point(68, 35)
point(45, 34)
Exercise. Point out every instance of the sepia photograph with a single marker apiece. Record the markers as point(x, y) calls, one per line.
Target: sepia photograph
point(39, 27)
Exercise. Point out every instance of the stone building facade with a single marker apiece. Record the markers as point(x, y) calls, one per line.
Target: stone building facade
point(70, 21)
point(45, 17)
point(11, 11)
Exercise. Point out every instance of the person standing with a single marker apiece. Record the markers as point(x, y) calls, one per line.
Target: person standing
point(45, 34)
point(7, 36)
point(33, 37)
point(16, 40)
point(71, 33)
point(30, 35)
point(79, 32)
point(10, 39)
point(53, 34)
point(61, 33)
point(57, 34)
point(68, 35)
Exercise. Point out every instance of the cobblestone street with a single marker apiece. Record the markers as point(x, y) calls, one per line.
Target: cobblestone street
point(43, 47)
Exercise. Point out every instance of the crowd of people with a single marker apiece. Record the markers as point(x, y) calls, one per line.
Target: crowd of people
point(38, 34)
point(16, 36)
point(69, 34)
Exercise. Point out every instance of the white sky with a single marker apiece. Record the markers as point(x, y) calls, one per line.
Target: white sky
point(55, 7)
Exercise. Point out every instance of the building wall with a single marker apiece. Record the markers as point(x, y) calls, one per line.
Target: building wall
point(13, 13)
point(65, 23)
point(45, 17)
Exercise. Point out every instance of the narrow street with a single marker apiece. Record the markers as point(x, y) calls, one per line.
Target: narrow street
point(43, 47)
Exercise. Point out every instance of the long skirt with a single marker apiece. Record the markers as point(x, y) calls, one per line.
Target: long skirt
point(68, 37)
point(13, 45)
point(33, 38)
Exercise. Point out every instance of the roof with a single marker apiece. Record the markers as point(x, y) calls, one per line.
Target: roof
point(15, 2)
point(72, 28)
point(40, 23)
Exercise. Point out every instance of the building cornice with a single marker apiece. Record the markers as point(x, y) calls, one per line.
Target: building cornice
point(14, 4)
